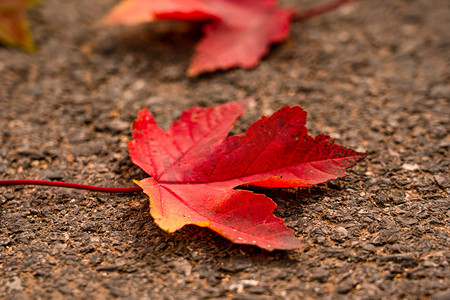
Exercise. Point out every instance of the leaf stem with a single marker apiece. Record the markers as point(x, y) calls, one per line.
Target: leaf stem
point(71, 186)
point(319, 9)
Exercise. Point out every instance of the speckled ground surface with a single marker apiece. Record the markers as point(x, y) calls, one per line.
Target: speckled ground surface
point(374, 75)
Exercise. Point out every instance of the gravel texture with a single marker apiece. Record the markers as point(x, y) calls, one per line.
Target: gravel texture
point(374, 75)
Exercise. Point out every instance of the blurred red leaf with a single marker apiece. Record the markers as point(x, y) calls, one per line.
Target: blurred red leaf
point(13, 24)
point(238, 33)
point(194, 168)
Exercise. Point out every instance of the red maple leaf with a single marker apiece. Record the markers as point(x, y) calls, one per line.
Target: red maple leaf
point(194, 168)
point(13, 24)
point(238, 33)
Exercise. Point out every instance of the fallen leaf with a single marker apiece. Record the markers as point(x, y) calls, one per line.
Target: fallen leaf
point(194, 168)
point(14, 30)
point(236, 34)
